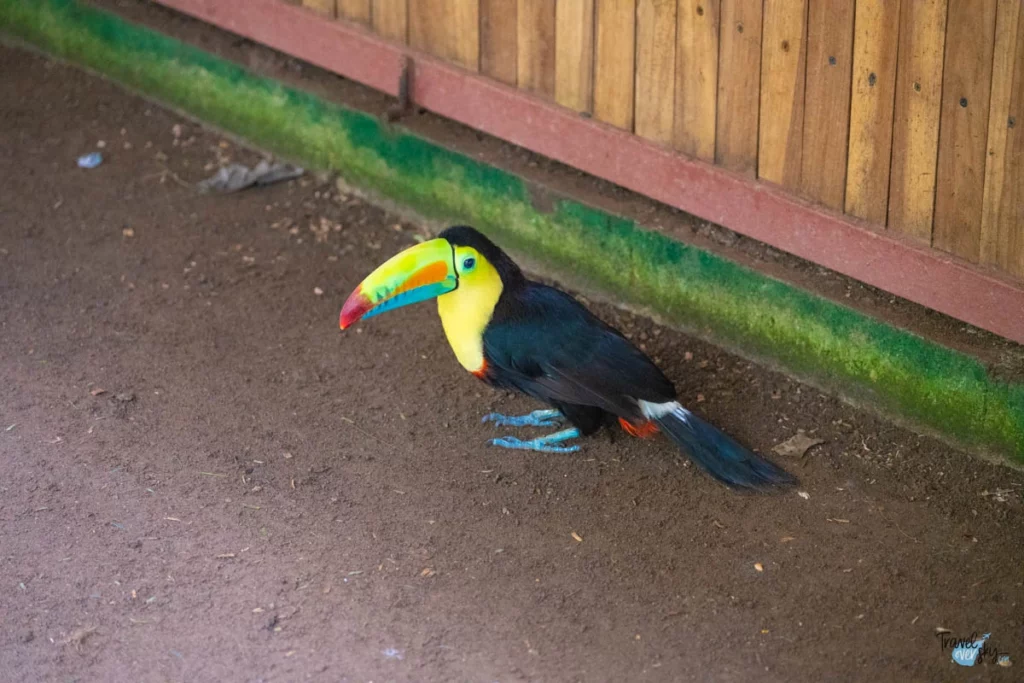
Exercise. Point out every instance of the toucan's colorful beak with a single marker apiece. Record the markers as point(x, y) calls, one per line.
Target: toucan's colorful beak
point(416, 274)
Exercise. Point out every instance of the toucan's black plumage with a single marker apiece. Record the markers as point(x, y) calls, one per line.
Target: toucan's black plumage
point(542, 342)
point(518, 334)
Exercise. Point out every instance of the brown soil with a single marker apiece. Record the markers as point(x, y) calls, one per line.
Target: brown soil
point(202, 479)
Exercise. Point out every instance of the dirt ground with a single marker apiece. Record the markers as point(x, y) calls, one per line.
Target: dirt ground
point(203, 479)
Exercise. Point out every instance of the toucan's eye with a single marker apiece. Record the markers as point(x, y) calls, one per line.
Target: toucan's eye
point(468, 263)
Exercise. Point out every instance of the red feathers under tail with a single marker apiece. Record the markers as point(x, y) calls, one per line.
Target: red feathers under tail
point(644, 430)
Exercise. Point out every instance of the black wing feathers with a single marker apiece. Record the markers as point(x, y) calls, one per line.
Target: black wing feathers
point(546, 344)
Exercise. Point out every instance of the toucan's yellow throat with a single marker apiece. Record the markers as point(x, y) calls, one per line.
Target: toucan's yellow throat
point(466, 310)
point(466, 284)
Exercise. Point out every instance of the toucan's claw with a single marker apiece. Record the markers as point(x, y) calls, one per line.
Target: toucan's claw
point(538, 418)
point(544, 444)
point(531, 445)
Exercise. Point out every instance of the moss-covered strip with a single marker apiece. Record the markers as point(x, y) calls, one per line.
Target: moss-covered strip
point(897, 371)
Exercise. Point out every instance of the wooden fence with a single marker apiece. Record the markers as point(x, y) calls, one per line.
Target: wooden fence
point(901, 113)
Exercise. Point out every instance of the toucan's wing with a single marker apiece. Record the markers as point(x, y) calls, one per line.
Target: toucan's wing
point(549, 346)
point(546, 344)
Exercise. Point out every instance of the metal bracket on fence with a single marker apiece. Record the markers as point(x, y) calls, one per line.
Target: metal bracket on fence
point(404, 104)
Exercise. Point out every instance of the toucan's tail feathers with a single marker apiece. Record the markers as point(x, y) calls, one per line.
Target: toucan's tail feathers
point(717, 453)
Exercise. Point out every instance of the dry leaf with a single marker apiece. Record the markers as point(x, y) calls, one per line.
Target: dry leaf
point(797, 445)
point(79, 636)
point(999, 495)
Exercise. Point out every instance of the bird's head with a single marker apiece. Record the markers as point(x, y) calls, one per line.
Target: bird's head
point(459, 258)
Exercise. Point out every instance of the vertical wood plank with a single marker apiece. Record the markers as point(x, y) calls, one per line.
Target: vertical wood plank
point(783, 72)
point(875, 43)
point(498, 39)
point(390, 19)
point(827, 101)
point(321, 6)
point(966, 86)
point(574, 54)
point(739, 78)
point(354, 10)
point(535, 42)
point(696, 77)
point(614, 59)
point(655, 69)
point(1010, 240)
point(915, 136)
point(1007, 18)
point(449, 29)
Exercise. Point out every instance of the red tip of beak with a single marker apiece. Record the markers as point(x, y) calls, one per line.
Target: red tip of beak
point(355, 308)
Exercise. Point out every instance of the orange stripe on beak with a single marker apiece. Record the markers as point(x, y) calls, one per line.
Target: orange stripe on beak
point(429, 274)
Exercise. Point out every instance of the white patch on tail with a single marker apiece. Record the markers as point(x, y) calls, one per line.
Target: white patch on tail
point(654, 411)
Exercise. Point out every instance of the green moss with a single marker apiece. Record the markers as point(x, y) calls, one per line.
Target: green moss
point(810, 336)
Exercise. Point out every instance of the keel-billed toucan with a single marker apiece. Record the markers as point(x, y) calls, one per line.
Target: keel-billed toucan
point(521, 335)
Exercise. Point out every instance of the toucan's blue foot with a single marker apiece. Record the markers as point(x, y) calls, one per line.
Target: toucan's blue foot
point(544, 444)
point(538, 418)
